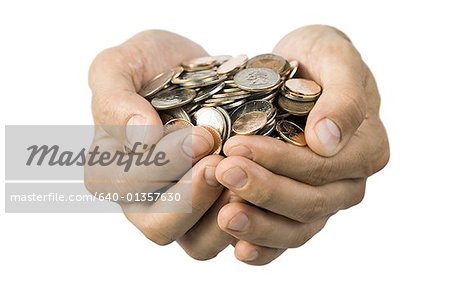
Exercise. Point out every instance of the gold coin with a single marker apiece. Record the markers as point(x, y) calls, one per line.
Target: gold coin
point(232, 65)
point(303, 87)
point(217, 139)
point(176, 124)
point(250, 106)
point(296, 108)
point(291, 132)
point(199, 63)
point(250, 123)
point(271, 61)
point(296, 97)
point(294, 68)
point(220, 59)
point(177, 72)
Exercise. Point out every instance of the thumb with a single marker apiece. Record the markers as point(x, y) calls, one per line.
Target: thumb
point(335, 117)
point(328, 57)
point(116, 106)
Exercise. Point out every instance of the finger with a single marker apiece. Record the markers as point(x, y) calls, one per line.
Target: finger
point(205, 240)
point(254, 254)
point(170, 159)
point(264, 228)
point(198, 190)
point(118, 73)
point(285, 196)
point(357, 160)
point(331, 60)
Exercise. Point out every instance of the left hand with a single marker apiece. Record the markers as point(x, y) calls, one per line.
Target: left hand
point(292, 191)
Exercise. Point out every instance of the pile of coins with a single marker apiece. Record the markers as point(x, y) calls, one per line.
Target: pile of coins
point(235, 95)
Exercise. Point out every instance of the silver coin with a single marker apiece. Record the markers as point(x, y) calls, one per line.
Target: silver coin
point(234, 104)
point(231, 95)
point(210, 116)
point(191, 107)
point(205, 82)
point(227, 132)
point(220, 59)
point(174, 113)
point(272, 114)
point(256, 79)
point(230, 83)
point(264, 96)
point(231, 90)
point(156, 84)
point(172, 98)
point(268, 128)
point(186, 77)
point(296, 108)
point(217, 102)
point(206, 93)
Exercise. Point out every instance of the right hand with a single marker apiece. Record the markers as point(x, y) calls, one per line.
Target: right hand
point(115, 77)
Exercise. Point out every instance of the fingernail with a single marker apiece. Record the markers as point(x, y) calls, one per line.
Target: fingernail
point(196, 146)
point(240, 150)
point(239, 222)
point(235, 177)
point(136, 130)
point(328, 134)
point(210, 176)
point(252, 256)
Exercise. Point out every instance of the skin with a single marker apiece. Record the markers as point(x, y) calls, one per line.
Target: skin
point(277, 195)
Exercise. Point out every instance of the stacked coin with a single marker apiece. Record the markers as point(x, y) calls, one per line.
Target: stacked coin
point(235, 95)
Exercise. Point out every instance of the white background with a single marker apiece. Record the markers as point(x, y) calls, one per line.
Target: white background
point(395, 245)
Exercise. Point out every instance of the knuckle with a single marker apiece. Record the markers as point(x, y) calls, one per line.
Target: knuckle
point(98, 62)
point(262, 194)
point(313, 209)
point(321, 172)
point(383, 159)
point(364, 164)
point(376, 156)
point(201, 255)
point(301, 237)
point(155, 235)
point(89, 180)
point(359, 194)
point(354, 106)
point(261, 185)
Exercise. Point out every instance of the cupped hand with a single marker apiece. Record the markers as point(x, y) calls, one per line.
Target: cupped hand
point(124, 118)
point(281, 195)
